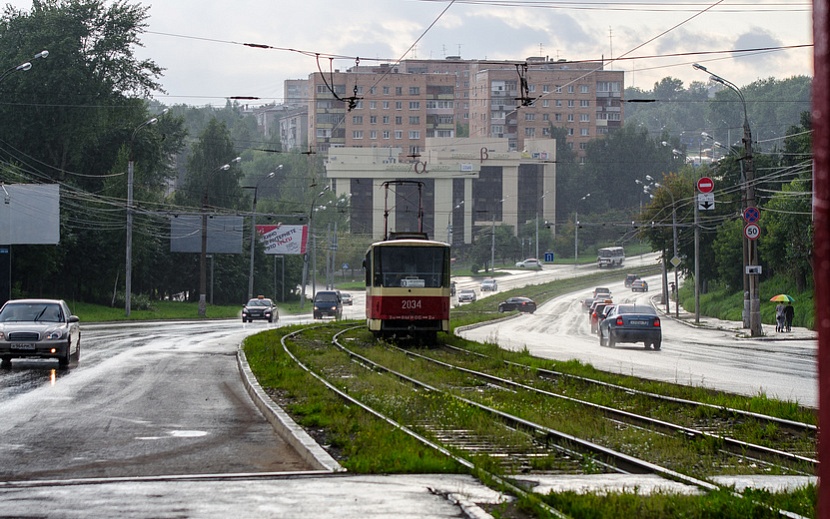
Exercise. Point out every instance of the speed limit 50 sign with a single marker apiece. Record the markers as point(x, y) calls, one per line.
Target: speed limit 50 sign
point(752, 231)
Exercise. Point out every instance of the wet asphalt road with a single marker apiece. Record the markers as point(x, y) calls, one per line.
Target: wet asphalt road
point(144, 400)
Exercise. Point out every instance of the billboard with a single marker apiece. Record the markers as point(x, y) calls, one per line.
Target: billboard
point(224, 234)
point(30, 214)
point(283, 239)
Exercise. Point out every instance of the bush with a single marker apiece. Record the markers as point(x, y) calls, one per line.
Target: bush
point(137, 301)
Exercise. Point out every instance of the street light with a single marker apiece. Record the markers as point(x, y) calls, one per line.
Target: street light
point(24, 66)
point(253, 229)
point(313, 255)
point(576, 229)
point(674, 246)
point(752, 303)
point(203, 255)
point(128, 277)
point(541, 198)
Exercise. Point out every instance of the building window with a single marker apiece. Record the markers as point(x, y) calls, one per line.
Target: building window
point(546, 117)
point(584, 118)
point(398, 120)
point(608, 86)
point(357, 134)
point(373, 105)
point(570, 89)
point(558, 89)
point(321, 89)
point(571, 103)
point(414, 119)
point(570, 131)
point(398, 134)
point(546, 131)
point(444, 133)
point(584, 132)
point(398, 105)
point(414, 105)
point(385, 119)
point(570, 145)
point(545, 89)
point(584, 103)
point(414, 91)
point(583, 89)
point(531, 88)
point(558, 102)
point(583, 145)
point(373, 119)
point(373, 90)
point(385, 134)
point(530, 132)
point(545, 103)
point(386, 104)
point(529, 116)
point(357, 119)
point(373, 135)
point(570, 118)
point(386, 90)
point(398, 91)
point(557, 117)
point(414, 135)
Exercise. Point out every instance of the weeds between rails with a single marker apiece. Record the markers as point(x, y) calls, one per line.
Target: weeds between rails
point(364, 448)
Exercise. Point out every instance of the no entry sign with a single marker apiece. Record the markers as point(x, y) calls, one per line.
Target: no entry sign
point(705, 185)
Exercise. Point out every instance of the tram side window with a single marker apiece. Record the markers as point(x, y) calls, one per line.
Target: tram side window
point(412, 267)
point(367, 268)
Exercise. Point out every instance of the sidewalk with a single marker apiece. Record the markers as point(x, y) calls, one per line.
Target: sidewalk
point(737, 327)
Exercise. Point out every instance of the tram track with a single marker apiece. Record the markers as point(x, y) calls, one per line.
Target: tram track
point(545, 448)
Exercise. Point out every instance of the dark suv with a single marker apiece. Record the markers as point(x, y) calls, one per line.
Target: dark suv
point(327, 303)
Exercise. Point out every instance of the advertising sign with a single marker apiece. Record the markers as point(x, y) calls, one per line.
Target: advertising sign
point(283, 239)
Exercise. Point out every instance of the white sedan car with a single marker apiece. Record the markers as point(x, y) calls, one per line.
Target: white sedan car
point(530, 263)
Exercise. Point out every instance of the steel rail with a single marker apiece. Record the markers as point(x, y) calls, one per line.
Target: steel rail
point(462, 461)
point(735, 446)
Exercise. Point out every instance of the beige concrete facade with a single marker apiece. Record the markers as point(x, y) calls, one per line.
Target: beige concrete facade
point(521, 185)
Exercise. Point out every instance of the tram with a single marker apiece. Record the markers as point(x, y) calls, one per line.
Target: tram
point(408, 285)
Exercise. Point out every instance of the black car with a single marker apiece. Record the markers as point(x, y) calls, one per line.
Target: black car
point(39, 328)
point(327, 303)
point(631, 323)
point(260, 308)
point(630, 278)
point(522, 304)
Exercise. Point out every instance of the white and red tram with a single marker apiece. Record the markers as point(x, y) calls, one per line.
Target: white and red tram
point(408, 286)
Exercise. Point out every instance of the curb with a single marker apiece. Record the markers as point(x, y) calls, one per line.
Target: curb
point(285, 426)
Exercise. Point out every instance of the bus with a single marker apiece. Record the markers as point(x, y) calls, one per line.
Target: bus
point(610, 257)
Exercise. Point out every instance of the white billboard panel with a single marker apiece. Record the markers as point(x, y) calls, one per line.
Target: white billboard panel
point(224, 234)
point(30, 214)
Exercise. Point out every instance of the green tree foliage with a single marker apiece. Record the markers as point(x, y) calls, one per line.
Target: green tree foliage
point(70, 120)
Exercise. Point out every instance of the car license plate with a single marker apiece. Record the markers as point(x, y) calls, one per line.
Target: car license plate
point(24, 346)
point(638, 322)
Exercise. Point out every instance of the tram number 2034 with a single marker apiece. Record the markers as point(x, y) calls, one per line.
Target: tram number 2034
point(410, 304)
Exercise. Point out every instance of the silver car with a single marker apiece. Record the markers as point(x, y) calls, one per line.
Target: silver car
point(39, 328)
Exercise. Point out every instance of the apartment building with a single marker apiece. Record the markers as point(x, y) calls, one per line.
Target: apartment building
point(403, 104)
point(523, 101)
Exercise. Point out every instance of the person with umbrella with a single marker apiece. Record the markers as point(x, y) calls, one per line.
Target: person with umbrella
point(783, 314)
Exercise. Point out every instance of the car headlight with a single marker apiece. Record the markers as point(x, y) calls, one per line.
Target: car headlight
point(55, 334)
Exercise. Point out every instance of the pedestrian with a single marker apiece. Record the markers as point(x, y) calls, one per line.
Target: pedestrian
point(789, 313)
point(780, 318)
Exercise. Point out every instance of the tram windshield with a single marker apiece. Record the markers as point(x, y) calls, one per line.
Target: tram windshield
point(411, 267)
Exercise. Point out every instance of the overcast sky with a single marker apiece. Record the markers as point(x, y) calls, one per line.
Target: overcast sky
point(198, 42)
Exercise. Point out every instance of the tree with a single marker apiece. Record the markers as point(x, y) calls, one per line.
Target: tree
point(68, 120)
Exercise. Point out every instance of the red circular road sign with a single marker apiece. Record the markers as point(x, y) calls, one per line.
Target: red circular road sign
point(752, 231)
point(705, 185)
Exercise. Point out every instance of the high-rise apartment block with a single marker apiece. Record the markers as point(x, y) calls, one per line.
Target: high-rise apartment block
point(399, 106)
